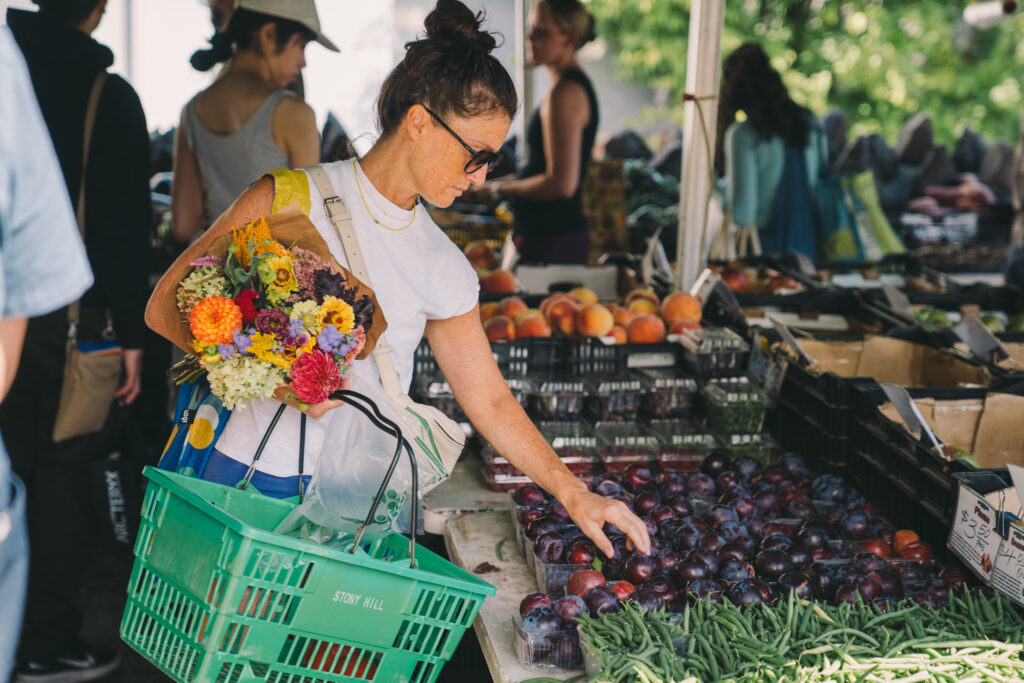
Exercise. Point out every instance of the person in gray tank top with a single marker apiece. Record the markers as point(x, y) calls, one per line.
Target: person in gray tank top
point(247, 122)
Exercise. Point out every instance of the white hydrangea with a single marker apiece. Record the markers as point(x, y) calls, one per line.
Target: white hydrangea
point(202, 282)
point(309, 313)
point(241, 379)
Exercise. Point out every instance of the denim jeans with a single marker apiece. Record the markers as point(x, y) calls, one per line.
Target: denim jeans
point(13, 573)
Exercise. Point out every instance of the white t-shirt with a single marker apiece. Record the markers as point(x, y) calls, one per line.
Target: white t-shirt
point(418, 274)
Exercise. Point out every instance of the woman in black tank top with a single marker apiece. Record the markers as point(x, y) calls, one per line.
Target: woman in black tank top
point(549, 223)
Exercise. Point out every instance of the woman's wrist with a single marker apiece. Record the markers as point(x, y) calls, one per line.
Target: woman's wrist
point(568, 487)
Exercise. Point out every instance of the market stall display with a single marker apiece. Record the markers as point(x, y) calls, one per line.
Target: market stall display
point(755, 485)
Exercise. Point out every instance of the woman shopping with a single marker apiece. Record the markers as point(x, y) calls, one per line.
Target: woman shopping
point(772, 159)
point(443, 113)
point(247, 122)
point(547, 194)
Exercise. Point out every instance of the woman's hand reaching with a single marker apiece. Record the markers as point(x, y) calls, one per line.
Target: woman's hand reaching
point(591, 511)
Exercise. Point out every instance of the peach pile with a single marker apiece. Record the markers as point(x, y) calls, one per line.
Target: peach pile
point(642, 318)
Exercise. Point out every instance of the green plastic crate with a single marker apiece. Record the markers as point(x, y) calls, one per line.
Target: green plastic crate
point(216, 597)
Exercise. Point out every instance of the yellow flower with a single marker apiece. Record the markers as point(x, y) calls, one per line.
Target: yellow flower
point(309, 313)
point(287, 356)
point(277, 274)
point(201, 347)
point(264, 347)
point(307, 347)
point(336, 312)
point(257, 232)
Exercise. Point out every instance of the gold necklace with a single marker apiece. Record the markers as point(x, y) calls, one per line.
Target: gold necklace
point(356, 169)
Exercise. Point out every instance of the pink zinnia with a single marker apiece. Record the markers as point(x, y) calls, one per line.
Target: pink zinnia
point(314, 376)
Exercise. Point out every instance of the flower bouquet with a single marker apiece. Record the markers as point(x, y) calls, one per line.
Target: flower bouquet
point(265, 309)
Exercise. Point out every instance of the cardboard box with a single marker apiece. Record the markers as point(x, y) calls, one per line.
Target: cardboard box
point(988, 428)
point(894, 361)
point(987, 533)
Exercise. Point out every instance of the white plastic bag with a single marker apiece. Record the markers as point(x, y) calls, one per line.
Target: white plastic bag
point(354, 461)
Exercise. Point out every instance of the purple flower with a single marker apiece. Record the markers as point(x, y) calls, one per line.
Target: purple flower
point(330, 339)
point(296, 339)
point(207, 261)
point(242, 341)
point(295, 328)
point(273, 321)
point(349, 344)
point(226, 350)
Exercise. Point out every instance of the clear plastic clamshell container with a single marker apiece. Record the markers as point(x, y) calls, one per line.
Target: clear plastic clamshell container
point(620, 444)
point(557, 398)
point(574, 442)
point(735, 406)
point(683, 444)
point(720, 353)
point(504, 482)
point(555, 651)
point(759, 446)
point(667, 394)
point(614, 397)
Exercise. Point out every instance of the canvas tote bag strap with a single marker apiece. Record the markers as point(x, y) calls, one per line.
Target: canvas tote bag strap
point(90, 120)
point(342, 221)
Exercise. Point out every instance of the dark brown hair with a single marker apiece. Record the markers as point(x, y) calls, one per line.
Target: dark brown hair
point(571, 16)
point(750, 83)
point(450, 70)
point(241, 33)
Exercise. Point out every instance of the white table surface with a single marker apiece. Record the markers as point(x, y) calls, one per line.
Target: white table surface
point(464, 491)
point(471, 539)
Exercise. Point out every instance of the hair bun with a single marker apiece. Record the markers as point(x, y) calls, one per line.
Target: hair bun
point(452, 23)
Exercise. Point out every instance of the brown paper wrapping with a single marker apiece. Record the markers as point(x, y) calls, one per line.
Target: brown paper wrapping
point(288, 226)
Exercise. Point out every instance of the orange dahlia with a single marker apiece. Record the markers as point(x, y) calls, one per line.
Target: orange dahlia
point(215, 319)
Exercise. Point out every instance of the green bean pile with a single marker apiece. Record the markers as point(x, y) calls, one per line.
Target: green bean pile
point(634, 645)
point(974, 638)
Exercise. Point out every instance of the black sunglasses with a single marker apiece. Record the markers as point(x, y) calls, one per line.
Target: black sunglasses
point(477, 159)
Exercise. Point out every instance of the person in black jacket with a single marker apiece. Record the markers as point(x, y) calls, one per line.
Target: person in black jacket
point(63, 63)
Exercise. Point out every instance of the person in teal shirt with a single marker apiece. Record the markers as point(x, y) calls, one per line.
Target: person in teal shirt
point(779, 146)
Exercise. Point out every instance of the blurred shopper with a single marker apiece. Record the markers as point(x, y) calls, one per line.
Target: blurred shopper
point(220, 16)
point(247, 122)
point(772, 159)
point(64, 64)
point(34, 211)
point(547, 195)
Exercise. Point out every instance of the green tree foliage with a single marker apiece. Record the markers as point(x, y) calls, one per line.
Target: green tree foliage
point(879, 61)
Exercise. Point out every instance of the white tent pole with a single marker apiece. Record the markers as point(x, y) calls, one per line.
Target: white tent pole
point(523, 74)
point(129, 58)
point(703, 71)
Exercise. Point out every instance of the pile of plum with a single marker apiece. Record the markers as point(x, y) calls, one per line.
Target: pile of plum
point(735, 531)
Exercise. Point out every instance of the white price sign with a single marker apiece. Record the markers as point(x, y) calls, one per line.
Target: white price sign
point(1008, 575)
point(973, 536)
